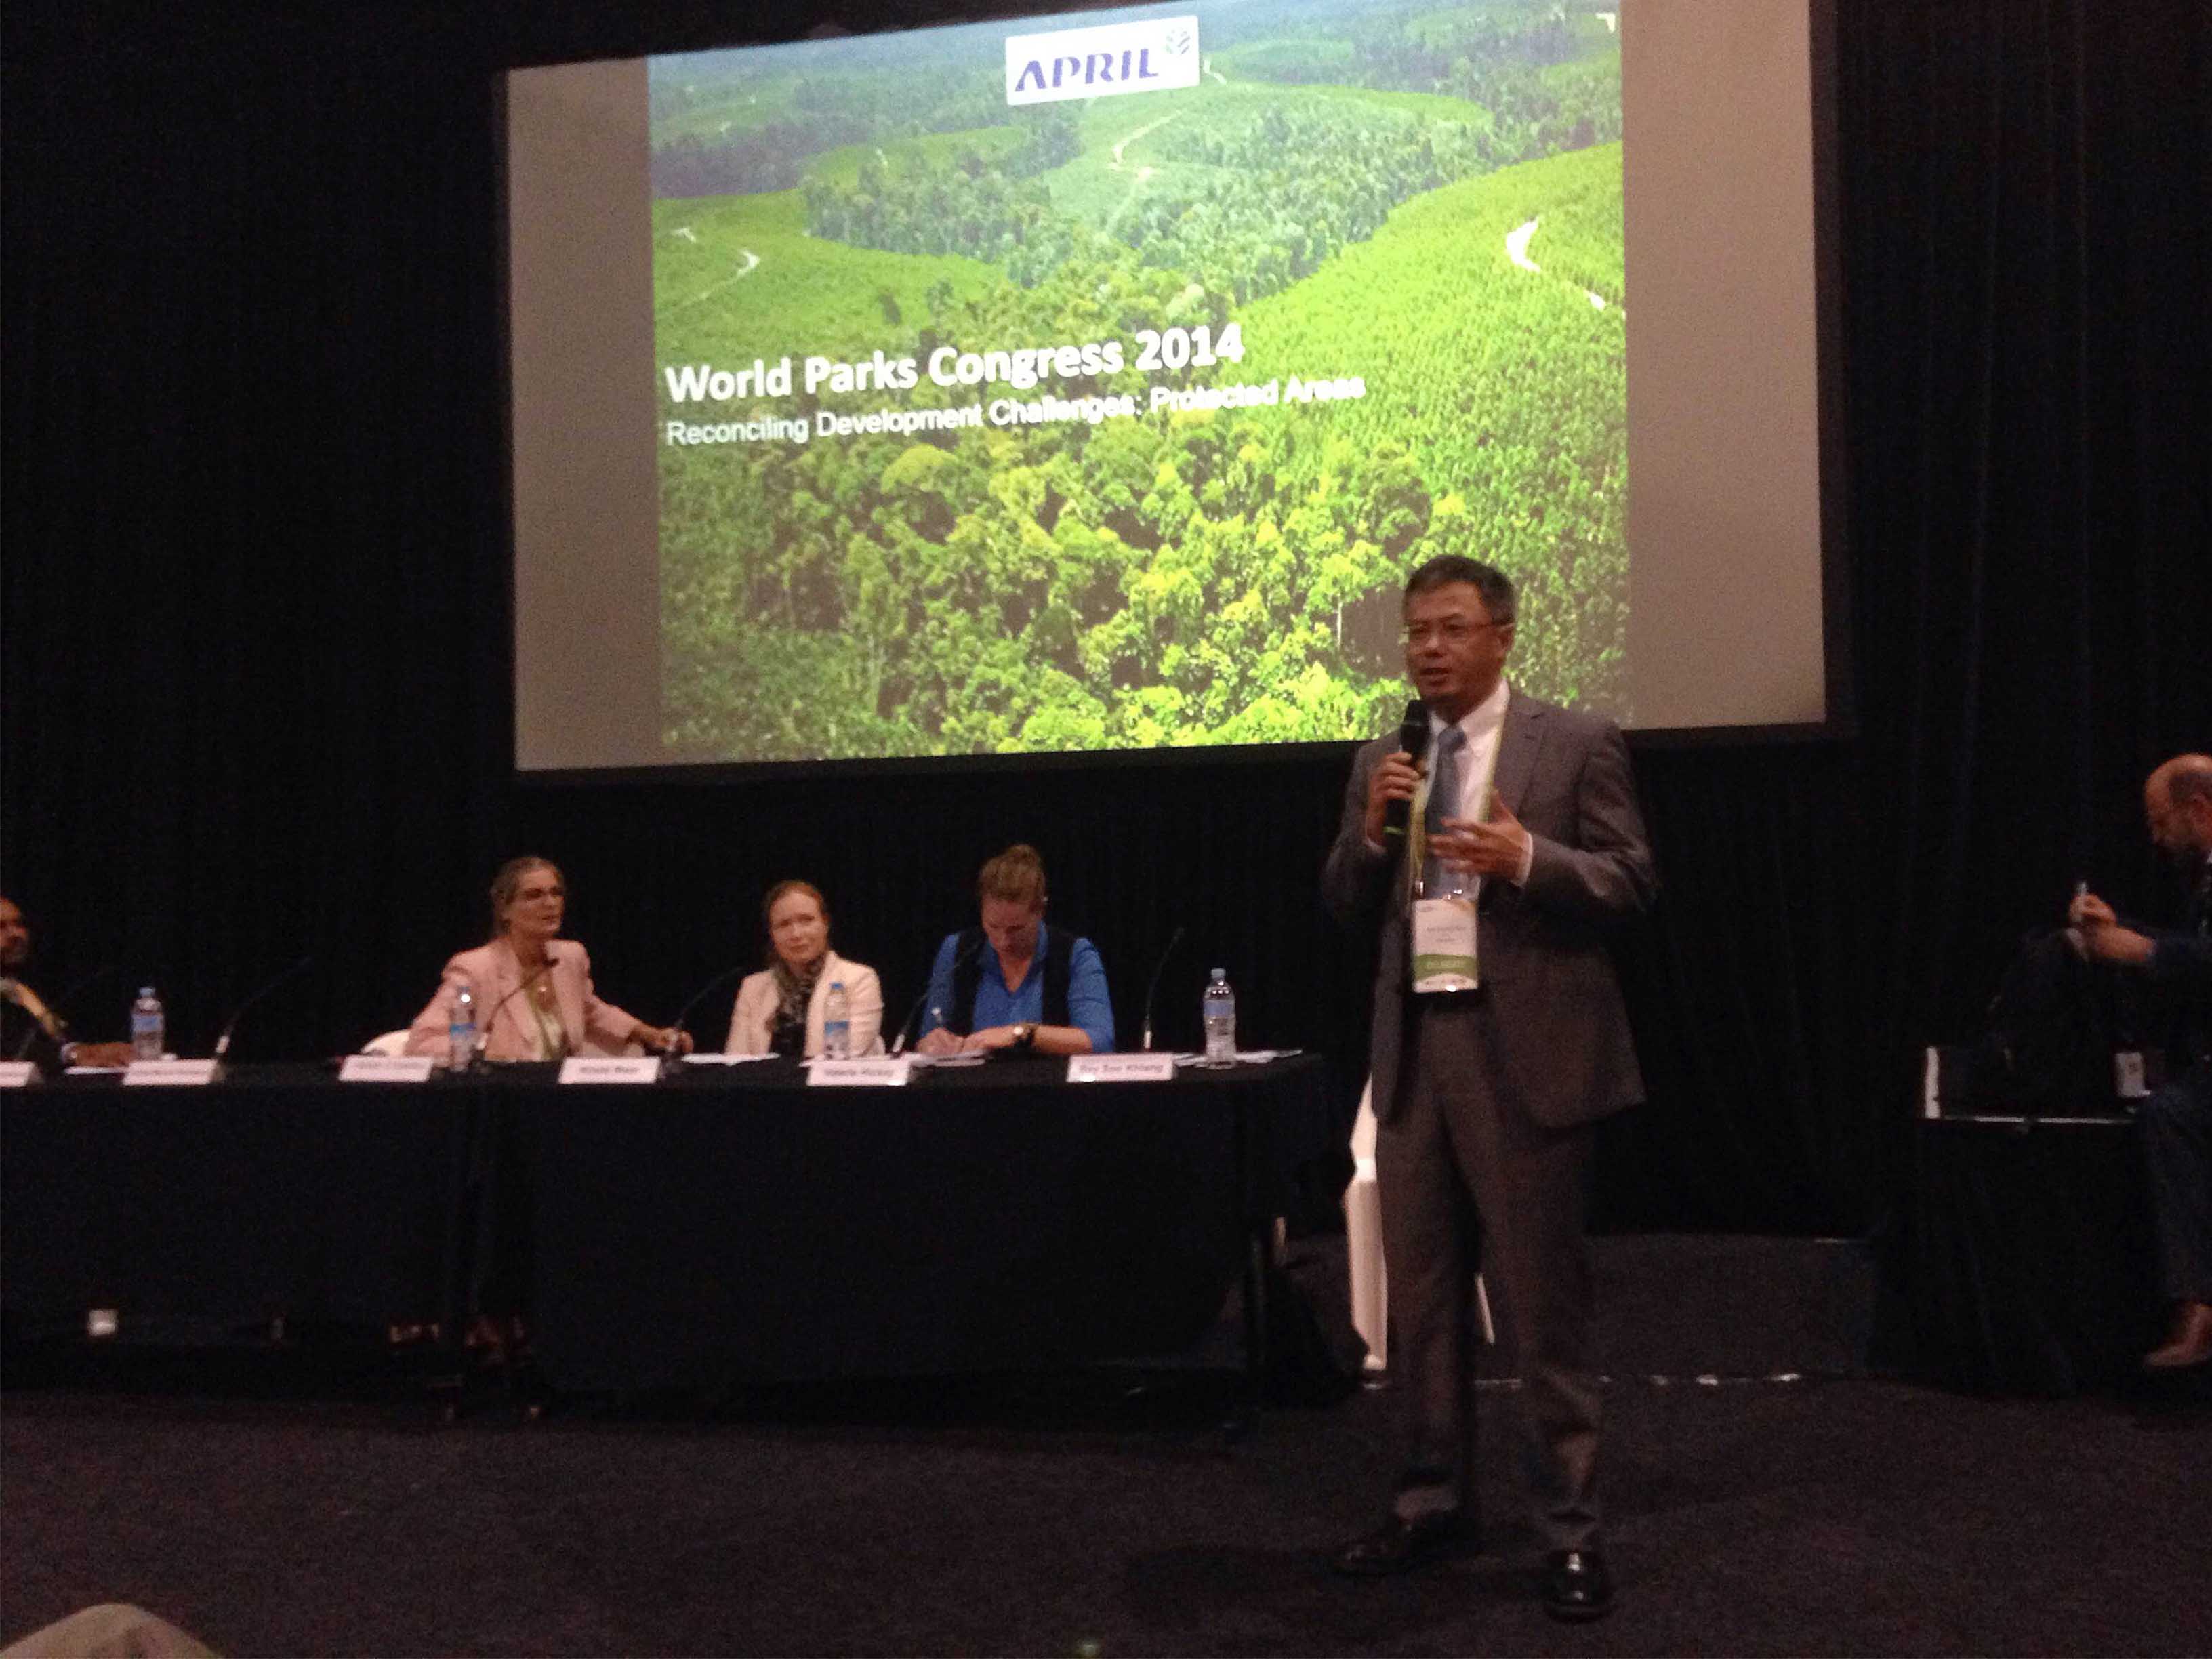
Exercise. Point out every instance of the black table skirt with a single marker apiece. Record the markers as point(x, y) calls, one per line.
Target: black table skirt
point(729, 1223)
point(981, 1218)
point(2029, 1260)
point(189, 1211)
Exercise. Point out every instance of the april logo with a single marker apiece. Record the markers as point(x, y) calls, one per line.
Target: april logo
point(1160, 55)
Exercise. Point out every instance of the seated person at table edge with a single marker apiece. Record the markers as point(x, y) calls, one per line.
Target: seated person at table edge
point(2177, 1119)
point(779, 1011)
point(533, 988)
point(28, 1028)
point(1014, 983)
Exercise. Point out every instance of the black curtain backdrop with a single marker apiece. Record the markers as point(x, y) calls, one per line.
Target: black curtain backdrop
point(254, 591)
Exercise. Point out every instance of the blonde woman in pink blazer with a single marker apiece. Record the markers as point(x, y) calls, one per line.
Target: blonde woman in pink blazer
point(533, 988)
point(778, 1010)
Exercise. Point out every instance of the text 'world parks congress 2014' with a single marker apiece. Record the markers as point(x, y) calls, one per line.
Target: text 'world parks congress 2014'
point(1022, 368)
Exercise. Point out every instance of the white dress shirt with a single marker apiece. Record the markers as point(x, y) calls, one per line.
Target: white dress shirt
point(1484, 728)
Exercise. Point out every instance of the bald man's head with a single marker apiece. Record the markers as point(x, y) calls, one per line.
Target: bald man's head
point(2178, 806)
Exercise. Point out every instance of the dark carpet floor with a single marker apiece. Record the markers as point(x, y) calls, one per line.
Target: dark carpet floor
point(1074, 1516)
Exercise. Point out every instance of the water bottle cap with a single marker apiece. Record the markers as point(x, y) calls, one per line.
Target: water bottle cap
point(145, 990)
point(1220, 974)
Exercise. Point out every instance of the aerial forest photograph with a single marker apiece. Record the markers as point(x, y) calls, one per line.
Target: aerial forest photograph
point(1394, 233)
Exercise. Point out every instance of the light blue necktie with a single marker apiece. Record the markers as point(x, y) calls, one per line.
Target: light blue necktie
point(1443, 802)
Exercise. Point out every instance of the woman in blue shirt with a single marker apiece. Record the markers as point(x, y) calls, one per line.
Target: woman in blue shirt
point(1014, 983)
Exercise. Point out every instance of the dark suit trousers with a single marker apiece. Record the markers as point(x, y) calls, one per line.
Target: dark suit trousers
point(1469, 1181)
point(2176, 1138)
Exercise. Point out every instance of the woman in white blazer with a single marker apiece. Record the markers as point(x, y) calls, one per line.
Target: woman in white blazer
point(778, 1010)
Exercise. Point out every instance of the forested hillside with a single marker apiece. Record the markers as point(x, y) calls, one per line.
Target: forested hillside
point(1166, 577)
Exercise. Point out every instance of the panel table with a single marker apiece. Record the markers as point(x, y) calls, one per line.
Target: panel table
point(725, 1225)
point(274, 1193)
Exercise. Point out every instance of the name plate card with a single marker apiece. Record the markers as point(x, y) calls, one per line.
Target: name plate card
point(386, 1068)
point(1121, 1068)
point(884, 1073)
point(17, 1074)
point(169, 1073)
point(626, 1069)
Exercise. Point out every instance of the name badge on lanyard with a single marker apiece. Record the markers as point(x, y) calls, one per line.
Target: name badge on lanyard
point(1441, 927)
point(1444, 939)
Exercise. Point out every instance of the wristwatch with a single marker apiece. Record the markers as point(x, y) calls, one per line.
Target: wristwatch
point(1024, 1037)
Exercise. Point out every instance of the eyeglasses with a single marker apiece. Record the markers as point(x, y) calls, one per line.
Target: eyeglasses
point(1452, 630)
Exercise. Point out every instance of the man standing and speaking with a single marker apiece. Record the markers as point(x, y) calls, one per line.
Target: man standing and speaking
point(1499, 1039)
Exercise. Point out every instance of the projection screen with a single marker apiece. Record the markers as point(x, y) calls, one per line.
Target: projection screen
point(1089, 383)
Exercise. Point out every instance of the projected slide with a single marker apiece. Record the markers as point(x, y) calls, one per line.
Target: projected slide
point(1065, 384)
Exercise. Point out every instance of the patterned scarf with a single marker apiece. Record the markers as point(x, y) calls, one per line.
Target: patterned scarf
point(787, 1032)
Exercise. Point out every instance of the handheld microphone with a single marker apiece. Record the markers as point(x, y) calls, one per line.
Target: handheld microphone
point(704, 992)
point(1414, 739)
point(898, 1045)
point(1152, 990)
point(230, 1025)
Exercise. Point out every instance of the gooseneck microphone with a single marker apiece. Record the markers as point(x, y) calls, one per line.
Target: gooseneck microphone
point(906, 1025)
point(230, 1025)
point(483, 1026)
point(65, 1000)
point(1414, 739)
point(1152, 990)
point(706, 991)
point(43, 1018)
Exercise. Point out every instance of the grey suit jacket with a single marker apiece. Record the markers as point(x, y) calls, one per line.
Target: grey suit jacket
point(1566, 1054)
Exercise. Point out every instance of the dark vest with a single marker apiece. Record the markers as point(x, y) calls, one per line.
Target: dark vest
point(968, 973)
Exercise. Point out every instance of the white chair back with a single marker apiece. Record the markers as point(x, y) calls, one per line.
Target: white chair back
point(1363, 1245)
point(1363, 1238)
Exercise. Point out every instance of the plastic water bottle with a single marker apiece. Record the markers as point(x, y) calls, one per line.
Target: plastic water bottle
point(461, 1029)
point(1219, 1007)
point(149, 1026)
point(837, 1023)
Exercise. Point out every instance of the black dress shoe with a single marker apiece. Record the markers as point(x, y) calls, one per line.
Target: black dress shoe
point(1577, 1586)
point(1400, 1545)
